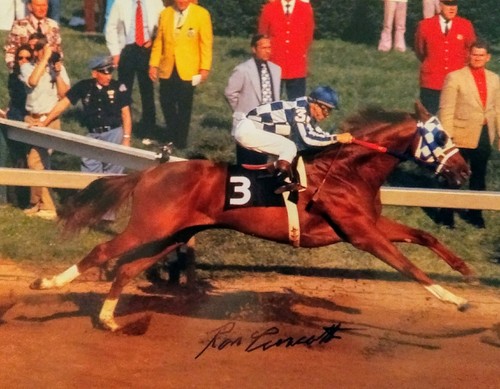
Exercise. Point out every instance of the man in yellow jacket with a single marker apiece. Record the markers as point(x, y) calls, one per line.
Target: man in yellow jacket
point(181, 58)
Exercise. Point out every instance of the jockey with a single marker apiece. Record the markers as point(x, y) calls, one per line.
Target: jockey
point(283, 128)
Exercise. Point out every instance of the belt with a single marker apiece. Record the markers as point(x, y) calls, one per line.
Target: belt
point(100, 130)
point(146, 45)
point(38, 115)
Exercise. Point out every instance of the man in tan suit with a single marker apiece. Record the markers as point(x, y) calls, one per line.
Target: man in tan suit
point(470, 113)
point(181, 57)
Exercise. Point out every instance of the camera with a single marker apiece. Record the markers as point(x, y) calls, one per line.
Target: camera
point(55, 57)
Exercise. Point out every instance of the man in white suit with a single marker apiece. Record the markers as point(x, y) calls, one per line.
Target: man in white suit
point(130, 47)
point(469, 110)
point(12, 10)
point(245, 90)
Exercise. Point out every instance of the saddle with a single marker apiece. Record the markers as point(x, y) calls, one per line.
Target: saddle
point(287, 175)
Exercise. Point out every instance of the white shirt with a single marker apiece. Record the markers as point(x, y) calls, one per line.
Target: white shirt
point(291, 4)
point(180, 17)
point(43, 97)
point(442, 22)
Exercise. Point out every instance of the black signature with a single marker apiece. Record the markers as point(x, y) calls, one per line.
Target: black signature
point(264, 340)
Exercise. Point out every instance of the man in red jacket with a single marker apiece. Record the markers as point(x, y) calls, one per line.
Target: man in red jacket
point(290, 25)
point(441, 44)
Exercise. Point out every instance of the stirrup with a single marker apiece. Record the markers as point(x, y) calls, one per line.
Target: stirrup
point(290, 187)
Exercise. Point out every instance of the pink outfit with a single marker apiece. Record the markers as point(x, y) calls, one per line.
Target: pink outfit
point(394, 17)
point(430, 8)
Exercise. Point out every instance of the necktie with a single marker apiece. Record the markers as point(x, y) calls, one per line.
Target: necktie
point(178, 25)
point(287, 12)
point(265, 79)
point(446, 27)
point(39, 29)
point(139, 25)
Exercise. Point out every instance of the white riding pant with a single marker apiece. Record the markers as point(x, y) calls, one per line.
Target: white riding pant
point(249, 135)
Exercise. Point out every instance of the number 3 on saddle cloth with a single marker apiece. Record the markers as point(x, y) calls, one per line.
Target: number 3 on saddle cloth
point(256, 188)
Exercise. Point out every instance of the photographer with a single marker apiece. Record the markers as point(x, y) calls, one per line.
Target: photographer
point(46, 82)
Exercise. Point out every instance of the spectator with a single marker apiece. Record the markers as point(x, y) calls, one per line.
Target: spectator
point(290, 25)
point(282, 128)
point(17, 111)
point(36, 21)
point(430, 8)
point(180, 59)
point(441, 44)
point(109, 5)
point(130, 46)
point(11, 10)
point(46, 81)
point(470, 112)
point(106, 112)
point(394, 16)
point(253, 82)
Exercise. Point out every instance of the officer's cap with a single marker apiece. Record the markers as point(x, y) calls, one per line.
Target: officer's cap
point(103, 64)
point(449, 2)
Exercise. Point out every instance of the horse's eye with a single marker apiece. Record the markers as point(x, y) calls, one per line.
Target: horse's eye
point(441, 138)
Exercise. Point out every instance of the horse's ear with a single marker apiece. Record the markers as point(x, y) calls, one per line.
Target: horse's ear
point(421, 112)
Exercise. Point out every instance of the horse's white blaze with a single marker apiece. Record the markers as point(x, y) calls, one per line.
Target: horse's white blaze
point(106, 317)
point(444, 295)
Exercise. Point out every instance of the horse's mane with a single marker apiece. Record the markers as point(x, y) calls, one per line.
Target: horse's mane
point(367, 117)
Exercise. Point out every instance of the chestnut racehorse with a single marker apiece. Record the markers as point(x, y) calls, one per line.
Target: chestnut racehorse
point(174, 201)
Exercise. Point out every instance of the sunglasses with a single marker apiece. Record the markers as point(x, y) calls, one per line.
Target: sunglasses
point(23, 57)
point(325, 110)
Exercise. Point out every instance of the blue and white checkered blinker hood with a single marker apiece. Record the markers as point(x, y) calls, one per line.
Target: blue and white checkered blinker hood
point(434, 145)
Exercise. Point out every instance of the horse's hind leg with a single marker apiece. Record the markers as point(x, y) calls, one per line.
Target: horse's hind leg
point(126, 273)
point(397, 232)
point(100, 254)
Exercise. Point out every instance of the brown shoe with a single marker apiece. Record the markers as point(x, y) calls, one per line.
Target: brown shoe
point(47, 214)
point(31, 211)
point(283, 166)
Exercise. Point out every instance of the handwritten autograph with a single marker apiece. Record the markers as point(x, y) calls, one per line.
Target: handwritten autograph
point(264, 340)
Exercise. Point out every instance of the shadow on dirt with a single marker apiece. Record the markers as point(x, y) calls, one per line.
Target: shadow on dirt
point(246, 306)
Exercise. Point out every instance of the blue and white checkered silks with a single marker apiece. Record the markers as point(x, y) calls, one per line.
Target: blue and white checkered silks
point(434, 146)
point(291, 119)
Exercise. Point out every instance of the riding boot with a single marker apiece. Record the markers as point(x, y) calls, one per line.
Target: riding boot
point(286, 177)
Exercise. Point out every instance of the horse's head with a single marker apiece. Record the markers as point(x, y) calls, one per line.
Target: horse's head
point(434, 148)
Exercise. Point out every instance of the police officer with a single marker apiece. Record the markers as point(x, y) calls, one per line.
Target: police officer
point(106, 111)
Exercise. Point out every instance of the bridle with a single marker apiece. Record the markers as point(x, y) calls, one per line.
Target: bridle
point(433, 146)
point(433, 149)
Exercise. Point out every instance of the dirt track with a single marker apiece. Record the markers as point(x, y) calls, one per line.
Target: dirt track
point(392, 334)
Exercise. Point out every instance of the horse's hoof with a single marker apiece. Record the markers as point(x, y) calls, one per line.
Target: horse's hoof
point(40, 284)
point(109, 324)
point(462, 307)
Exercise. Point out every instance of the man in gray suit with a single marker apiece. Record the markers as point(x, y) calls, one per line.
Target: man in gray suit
point(252, 83)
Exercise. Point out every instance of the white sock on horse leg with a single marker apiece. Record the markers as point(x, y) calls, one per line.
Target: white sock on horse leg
point(444, 295)
point(106, 316)
point(66, 276)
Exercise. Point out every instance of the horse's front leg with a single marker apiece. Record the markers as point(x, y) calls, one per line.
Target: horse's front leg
point(363, 233)
point(98, 256)
point(397, 232)
point(126, 273)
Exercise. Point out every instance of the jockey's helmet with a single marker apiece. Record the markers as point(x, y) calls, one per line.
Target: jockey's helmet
point(326, 96)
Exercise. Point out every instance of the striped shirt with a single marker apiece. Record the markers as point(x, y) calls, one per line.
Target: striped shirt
point(293, 120)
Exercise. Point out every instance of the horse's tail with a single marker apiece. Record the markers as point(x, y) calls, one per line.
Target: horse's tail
point(88, 206)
